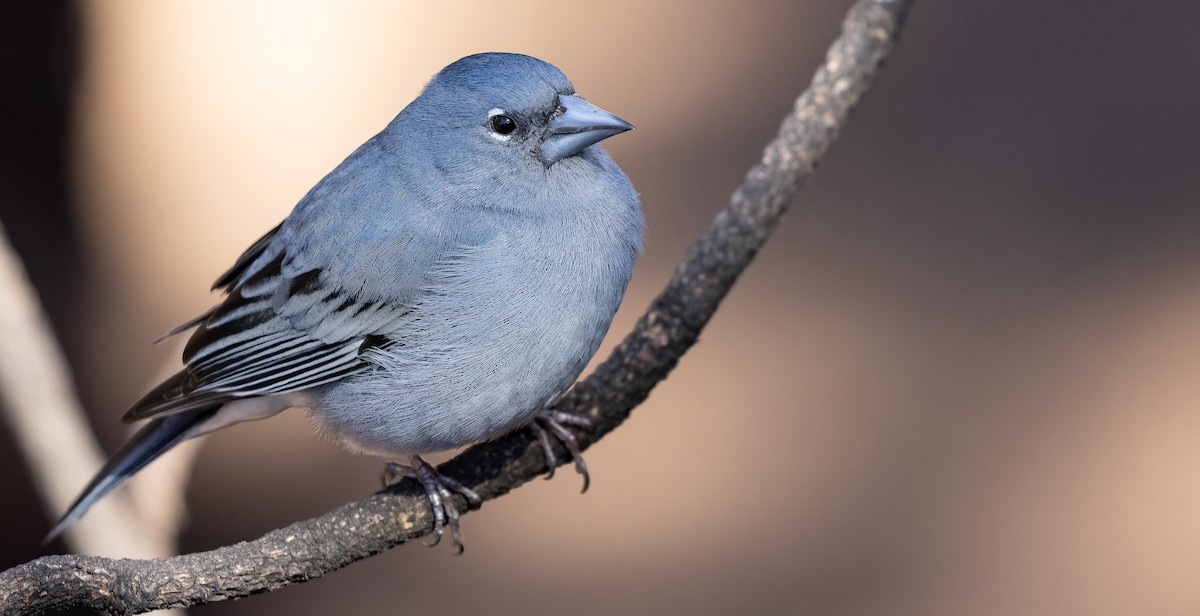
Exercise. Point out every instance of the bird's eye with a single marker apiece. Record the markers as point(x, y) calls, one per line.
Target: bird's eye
point(503, 125)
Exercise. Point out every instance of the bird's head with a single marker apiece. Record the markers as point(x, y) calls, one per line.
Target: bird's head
point(511, 108)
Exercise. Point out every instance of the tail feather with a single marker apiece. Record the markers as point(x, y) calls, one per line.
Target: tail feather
point(147, 444)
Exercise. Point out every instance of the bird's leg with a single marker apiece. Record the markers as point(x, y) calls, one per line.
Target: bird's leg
point(553, 421)
point(440, 491)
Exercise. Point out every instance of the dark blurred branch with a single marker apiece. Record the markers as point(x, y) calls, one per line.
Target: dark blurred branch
point(40, 288)
point(312, 548)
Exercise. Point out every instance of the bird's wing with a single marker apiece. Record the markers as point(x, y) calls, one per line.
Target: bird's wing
point(228, 280)
point(230, 277)
point(283, 328)
point(307, 299)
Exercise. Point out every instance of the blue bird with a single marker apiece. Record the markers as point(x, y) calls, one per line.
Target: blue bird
point(440, 287)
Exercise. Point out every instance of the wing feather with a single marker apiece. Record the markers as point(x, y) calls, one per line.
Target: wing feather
point(313, 294)
point(274, 333)
point(230, 277)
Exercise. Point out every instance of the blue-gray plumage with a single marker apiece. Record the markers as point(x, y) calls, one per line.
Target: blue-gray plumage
point(436, 289)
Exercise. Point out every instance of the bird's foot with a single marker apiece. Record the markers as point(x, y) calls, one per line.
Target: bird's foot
point(440, 491)
point(550, 421)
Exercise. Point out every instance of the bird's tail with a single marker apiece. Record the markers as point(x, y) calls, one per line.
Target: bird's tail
point(149, 442)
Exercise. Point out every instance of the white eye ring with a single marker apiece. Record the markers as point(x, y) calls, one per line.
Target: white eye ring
point(495, 135)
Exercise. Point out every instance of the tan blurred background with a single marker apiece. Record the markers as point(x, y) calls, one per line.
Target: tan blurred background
point(962, 378)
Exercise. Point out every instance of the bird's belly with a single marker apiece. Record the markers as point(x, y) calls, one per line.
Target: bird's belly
point(469, 371)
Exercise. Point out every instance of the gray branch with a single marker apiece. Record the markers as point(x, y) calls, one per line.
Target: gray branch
point(312, 548)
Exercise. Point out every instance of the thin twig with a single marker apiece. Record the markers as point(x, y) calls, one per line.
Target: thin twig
point(312, 548)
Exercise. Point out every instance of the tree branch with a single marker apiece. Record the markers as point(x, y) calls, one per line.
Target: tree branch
point(51, 429)
point(312, 548)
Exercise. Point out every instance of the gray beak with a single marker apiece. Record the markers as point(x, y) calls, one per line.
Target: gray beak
point(579, 126)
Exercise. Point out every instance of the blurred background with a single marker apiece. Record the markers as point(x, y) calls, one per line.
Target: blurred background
point(961, 378)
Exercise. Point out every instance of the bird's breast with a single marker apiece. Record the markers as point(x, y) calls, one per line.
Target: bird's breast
point(501, 327)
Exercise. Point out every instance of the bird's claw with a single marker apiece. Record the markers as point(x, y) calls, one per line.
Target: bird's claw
point(550, 421)
point(440, 490)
